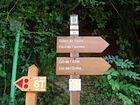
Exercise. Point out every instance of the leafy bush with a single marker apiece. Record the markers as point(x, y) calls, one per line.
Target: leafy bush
point(39, 22)
point(120, 80)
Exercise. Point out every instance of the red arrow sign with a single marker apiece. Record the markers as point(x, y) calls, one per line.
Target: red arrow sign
point(27, 83)
point(81, 44)
point(19, 83)
point(22, 83)
point(81, 66)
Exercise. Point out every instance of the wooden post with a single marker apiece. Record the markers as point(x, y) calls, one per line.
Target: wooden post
point(75, 65)
point(31, 97)
point(74, 95)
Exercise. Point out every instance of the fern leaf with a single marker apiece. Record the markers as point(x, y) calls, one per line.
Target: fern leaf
point(115, 84)
point(125, 99)
point(130, 74)
point(111, 73)
point(131, 89)
point(124, 64)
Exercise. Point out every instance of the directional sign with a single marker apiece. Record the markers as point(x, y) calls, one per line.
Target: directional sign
point(75, 65)
point(81, 44)
point(27, 83)
point(81, 66)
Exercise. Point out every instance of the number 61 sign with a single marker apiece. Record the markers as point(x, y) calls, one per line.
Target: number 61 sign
point(27, 83)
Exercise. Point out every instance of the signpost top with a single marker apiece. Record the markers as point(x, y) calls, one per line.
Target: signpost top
point(33, 70)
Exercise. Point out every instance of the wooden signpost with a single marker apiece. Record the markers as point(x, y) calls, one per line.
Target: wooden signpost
point(32, 84)
point(75, 65)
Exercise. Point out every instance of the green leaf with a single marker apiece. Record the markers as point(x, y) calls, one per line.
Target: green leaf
point(109, 77)
point(130, 88)
point(137, 8)
point(14, 24)
point(120, 62)
point(2, 74)
point(112, 72)
point(125, 99)
point(130, 74)
point(114, 84)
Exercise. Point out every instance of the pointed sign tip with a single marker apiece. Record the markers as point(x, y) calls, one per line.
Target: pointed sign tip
point(33, 67)
point(105, 44)
point(19, 83)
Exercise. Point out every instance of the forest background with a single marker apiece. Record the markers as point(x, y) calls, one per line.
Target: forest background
point(41, 21)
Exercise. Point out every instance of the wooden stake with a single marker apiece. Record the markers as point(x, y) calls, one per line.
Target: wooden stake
point(31, 97)
point(74, 95)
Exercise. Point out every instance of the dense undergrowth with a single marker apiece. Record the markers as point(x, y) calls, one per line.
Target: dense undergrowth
point(40, 22)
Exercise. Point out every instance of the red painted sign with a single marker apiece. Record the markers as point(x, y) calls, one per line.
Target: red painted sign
point(27, 83)
point(19, 83)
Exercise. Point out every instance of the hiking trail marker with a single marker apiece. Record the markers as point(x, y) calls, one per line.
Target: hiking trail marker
point(32, 84)
point(75, 65)
point(27, 83)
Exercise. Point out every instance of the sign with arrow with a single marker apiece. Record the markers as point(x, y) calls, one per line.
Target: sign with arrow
point(81, 66)
point(36, 83)
point(75, 65)
point(81, 44)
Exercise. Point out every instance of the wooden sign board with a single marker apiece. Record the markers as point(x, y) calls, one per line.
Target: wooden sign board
point(81, 66)
point(27, 83)
point(81, 44)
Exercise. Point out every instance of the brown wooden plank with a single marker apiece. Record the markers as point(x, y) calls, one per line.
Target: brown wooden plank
point(75, 95)
point(81, 66)
point(68, 44)
point(31, 97)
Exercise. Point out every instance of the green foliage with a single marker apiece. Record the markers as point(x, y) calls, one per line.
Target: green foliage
point(130, 74)
point(116, 77)
point(124, 46)
point(41, 21)
point(119, 62)
point(4, 100)
point(91, 3)
point(2, 73)
point(125, 99)
point(100, 17)
point(97, 12)
point(120, 81)
point(62, 99)
point(85, 100)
